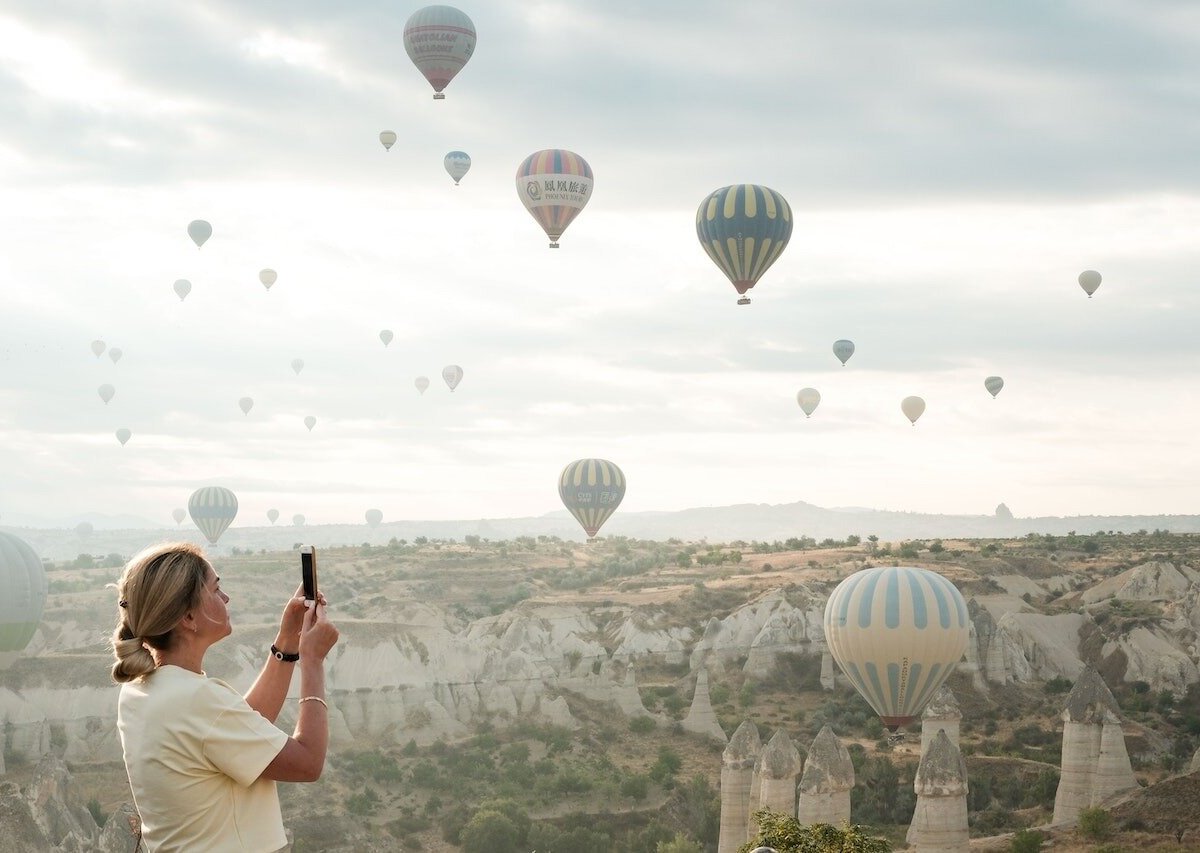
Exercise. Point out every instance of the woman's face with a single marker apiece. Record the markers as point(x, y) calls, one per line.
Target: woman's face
point(213, 616)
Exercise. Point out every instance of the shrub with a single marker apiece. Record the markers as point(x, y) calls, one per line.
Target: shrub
point(642, 725)
point(1095, 824)
point(1026, 841)
point(636, 788)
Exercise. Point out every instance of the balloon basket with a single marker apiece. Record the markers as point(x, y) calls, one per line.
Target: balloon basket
point(554, 245)
point(745, 300)
point(439, 96)
point(593, 539)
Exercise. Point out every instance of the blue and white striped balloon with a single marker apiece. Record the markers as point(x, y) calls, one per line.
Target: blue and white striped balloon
point(213, 509)
point(897, 633)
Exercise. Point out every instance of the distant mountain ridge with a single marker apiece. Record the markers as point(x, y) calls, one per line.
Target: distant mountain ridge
point(716, 524)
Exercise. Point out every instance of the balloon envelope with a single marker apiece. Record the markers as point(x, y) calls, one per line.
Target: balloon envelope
point(297, 365)
point(1089, 280)
point(843, 349)
point(115, 354)
point(123, 435)
point(22, 593)
point(554, 185)
point(272, 515)
point(913, 408)
point(182, 288)
point(213, 509)
point(808, 398)
point(387, 138)
point(386, 336)
point(422, 383)
point(993, 384)
point(245, 404)
point(591, 489)
point(267, 277)
point(179, 514)
point(439, 40)
point(310, 422)
point(453, 374)
point(98, 348)
point(896, 632)
point(199, 231)
point(298, 520)
point(457, 164)
point(106, 393)
point(374, 517)
point(744, 228)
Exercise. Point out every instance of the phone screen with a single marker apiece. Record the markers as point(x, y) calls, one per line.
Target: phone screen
point(308, 572)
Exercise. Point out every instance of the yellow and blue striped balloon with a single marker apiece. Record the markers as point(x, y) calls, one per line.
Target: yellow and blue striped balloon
point(897, 633)
point(744, 228)
point(591, 489)
point(213, 509)
point(22, 593)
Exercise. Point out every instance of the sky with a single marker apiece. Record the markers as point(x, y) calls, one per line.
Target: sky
point(952, 168)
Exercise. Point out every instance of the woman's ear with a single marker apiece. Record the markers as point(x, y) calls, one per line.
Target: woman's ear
point(188, 622)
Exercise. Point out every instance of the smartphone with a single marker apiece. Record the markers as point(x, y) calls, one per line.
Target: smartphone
point(308, 572)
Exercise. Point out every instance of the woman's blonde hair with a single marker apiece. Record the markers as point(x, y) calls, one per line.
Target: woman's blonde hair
point(158, 588)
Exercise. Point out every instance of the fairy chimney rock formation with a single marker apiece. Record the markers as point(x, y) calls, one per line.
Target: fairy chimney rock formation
point(1195, 764)
point(826, 783)
point(627, 696)
point(1095, 763)
point(737, 770)
point(827, 682)
point(939, 823)
point(701, 719)
point(778, 767)
point(941, 714)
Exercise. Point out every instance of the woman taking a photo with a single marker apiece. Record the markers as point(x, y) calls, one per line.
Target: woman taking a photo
point(202, 759)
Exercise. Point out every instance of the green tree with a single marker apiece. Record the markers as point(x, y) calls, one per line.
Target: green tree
point(787, 835)
point(679, 844)
point(1095, 824)
point(1026, 841)
point(489, 832)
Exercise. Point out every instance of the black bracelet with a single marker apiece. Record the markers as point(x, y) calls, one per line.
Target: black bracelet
point(283, 656)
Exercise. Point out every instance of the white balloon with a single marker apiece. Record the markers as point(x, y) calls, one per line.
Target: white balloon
point(272, 515)
point(268, 277)
point(310, 422)
point(98, 348)
point(388, 139)
point(1089, 280)
point(422, 383)
point(993, 384)
point(179, 515)
point(115, 354)
point(808, 398)
point(106, 393)
point(182, 288)
point(386, 336)
point(199, 231)
point(457, 164)
point(297, 365)
point(453, 374)
point(913, 408)
point(843, 349)
point(374, 517)
point(246, 404)
point(298, 520)
point(123, 435)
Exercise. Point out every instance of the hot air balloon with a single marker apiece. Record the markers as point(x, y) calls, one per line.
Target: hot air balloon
point(374, 517)
point(213, 509)
point(199, 231)
point(123, 435)
point(182, 288)
point(310, 422)
point(592, 490)
point(744, 228)
point(1089, 280)
point(993, 384)
point(422, 383)
point(809, 399)
point(84, 529)
point(439, 40)
point(297, 365)
point(457, 164)
point(106, 393)
point(554, 185)
point(267, 277)
point(387, 138)
point(453, 374)
point(386, 336)
point(913, 408)
point(843, 349)
point(22, 593)
point(897, 633)
point(246, 404)
point(298, 520)
point(179, 515)
point(115, 354)
point(272, 515)
point(98, 348)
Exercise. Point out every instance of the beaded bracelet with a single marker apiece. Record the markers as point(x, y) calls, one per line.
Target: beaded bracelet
point(314, 699)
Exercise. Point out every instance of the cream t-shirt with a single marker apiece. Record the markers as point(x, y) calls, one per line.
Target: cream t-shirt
point(194, 751)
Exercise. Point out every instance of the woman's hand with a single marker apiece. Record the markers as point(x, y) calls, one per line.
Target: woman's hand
point(292, 622)
point(318, 635)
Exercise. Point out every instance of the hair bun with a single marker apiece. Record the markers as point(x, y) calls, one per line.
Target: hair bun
point(133, 660)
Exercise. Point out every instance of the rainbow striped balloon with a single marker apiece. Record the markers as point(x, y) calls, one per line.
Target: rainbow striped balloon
point(897, 633)
point(554, 185)
point(744, 228)
point(22, 593)
point(213, 509)
point(592, 490)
